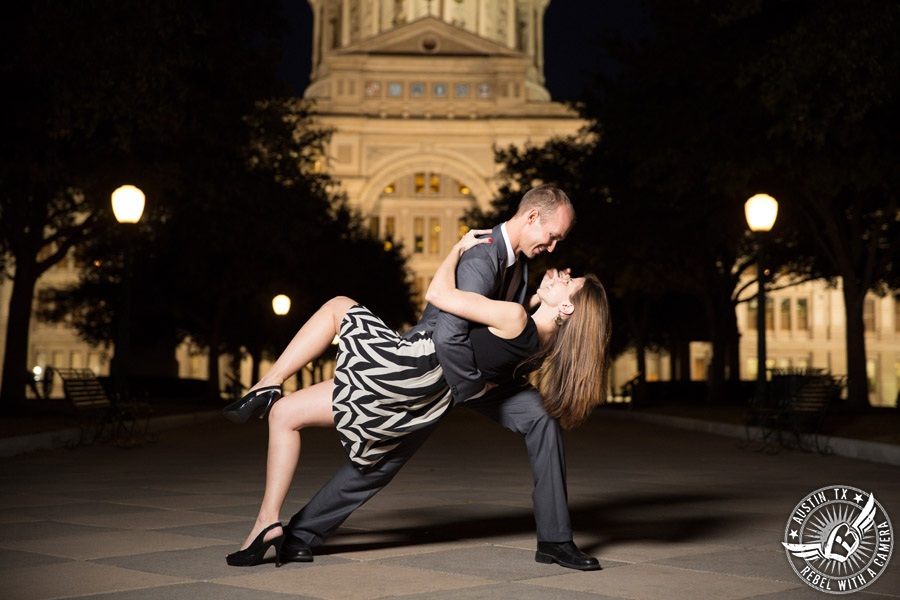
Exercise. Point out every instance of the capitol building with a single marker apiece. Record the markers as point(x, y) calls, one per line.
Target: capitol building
point(418, 94)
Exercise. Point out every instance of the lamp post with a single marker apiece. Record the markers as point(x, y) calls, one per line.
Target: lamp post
point(760, 211)
point(128, 206)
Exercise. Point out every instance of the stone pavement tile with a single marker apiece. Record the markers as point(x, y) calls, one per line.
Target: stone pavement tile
point(194, 591)
point(12, 517)
point(249, 507)
point(13, 559)
point(80, 509)
point(43, 530)
point(651, 582)
point(358, 581)
point(109, 543)
point(764, 563)
point(151, 519)
point(451, 522)
point(372, 545)
point(505, 591)
point(27, 500)
point(623, 552)
point(75, 578)
point(202, 564)
point(189, 501)
point(805, 592)
point(115, 493)
point(232, 532)
point(495, 563)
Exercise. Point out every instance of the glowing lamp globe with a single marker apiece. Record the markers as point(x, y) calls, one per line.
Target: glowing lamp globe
point(128, 204)
point(281, 304)
point(761, 211)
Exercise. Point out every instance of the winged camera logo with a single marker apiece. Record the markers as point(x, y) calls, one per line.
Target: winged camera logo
point(838, 539)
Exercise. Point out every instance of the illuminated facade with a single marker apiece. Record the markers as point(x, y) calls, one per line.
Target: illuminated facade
point(418, 93)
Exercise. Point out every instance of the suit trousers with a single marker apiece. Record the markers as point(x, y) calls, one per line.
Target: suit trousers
point(519, 411)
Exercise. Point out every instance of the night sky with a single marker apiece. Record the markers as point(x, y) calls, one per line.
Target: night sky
point(570, 29)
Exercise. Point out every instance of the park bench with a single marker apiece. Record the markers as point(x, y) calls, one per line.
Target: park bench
point(793, 410)
point(124, 422)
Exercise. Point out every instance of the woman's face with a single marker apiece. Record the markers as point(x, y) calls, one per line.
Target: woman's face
point(560, 291)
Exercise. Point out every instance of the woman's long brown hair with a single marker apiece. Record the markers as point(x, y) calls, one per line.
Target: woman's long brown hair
point(572, 379)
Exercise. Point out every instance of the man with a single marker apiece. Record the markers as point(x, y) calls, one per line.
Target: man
point(496, 270)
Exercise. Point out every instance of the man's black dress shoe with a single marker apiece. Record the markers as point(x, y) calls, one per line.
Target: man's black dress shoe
point(294, 550)
point(565, 554)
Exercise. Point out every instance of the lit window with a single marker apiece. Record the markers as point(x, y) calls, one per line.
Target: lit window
point(390, 188)
point(869, 315)
point(420, 183)
point(802, 315)
point(785, 316)
point(435, 184)
point(462, 227)
point(434, 238)
point(419, 229)
point(389, 229)
point(872, 374)
point(464, 190)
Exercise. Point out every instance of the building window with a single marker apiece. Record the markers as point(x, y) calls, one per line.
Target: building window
point(871, 374)
point(752, 365)
point(462, 227)
point(388, 233)
point(464, 190)
point(374, 226)
point(419, 232)
point(802, 315)
point(785, 318)
point(770, 314)
point(435, 184)
point(434, 235)
point(751, 314)
point(94, 362)
point(897, 316)
point(869, 315)
point(420, 183)
point(390, 188)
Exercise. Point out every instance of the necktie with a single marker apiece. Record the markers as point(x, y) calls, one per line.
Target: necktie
point(512, 279)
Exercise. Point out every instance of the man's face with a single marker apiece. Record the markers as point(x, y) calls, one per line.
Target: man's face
point(540, 237)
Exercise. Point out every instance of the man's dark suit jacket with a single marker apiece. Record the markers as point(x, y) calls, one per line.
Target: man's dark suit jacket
point(481, 269)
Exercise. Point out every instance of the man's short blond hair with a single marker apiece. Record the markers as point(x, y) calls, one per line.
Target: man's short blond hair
point(547, 199)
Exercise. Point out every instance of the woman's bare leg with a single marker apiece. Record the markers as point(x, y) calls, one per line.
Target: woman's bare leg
point(309, 407)
point(310, 342)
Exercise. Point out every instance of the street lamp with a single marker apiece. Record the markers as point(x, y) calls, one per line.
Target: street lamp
point(281, 304)
point(128, 206)
point(760, 211)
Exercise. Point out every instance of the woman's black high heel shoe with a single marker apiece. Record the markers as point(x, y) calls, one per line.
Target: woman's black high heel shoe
point(241, 410)
point(253, 554)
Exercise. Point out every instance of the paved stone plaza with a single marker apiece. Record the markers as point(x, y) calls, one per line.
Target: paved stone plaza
point(670, 513)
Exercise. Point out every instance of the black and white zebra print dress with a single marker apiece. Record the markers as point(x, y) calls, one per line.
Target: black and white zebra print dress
point(385, 386)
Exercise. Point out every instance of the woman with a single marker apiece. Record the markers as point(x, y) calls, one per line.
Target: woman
point(386, 386)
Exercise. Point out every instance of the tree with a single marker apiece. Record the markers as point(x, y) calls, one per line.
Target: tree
point(265, 223)
point(106, 92)
point(828, 75)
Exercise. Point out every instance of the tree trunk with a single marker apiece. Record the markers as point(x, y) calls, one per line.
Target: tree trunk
point(15, 358)
point(857, 379)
